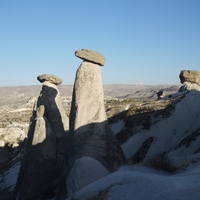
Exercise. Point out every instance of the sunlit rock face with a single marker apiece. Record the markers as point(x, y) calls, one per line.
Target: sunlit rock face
point(88, 97)
point(190, 80)
point(88, 122)
point(43, 168)
point(191, 76)
point(90, 132)
point(189, 86)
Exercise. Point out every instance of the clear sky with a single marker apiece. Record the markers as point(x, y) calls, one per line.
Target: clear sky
point(149, 41)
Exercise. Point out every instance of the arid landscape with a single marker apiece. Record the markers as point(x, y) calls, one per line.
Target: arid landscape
point(16, 103)
point(133, 111)
point(99, 100)
point(133, 103)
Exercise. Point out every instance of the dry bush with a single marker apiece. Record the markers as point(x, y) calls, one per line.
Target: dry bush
point(161, 162)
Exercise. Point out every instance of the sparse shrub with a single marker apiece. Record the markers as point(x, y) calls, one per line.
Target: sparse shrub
point(189, 139)
point(147, 123)
point(161, 162)
point(101, 195)
point(142, 151)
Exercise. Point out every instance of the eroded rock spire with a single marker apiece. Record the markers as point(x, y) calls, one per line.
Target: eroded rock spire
point(43, 168)
point(89, 128)
point(190, 80)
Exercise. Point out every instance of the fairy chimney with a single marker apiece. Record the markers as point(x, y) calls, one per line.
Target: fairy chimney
point(190, 80)
point(43, 168)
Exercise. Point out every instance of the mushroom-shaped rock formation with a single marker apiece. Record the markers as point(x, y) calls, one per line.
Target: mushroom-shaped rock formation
point(85, 171)
point(90, 132)
point(50, 78)
point(190, 80)
point(43, 169)
point(191, 76)
point(91, 56)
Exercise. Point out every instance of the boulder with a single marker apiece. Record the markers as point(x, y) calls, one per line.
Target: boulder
point(50, 78)
point(85, 171)
point(92, 56)
point(90, 132)
point(190, 76)
point(42, 173)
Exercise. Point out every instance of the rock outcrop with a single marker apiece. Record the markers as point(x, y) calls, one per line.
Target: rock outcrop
point(90, 133)
point(43, 168)
point(191, 76)
point(50, 78)
point(160, 94)
point(190, 80)
point(85, 171)
point(91, 56)
point(189, 86)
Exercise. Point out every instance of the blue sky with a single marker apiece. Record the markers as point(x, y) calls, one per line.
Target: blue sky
point(149, 41)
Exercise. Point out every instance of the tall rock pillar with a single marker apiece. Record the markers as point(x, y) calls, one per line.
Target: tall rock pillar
point(90, 133)
point(43, 169)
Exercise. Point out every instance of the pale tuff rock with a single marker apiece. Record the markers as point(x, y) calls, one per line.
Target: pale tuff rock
point(92, 56)
point(190, 76)
point(189, 86)
point(85, 171)
point(94, 150)
point(43, 169)
point(40, 111)
point(190, 80)
point(50, 78)
point(2, 143)
point(90, 133)
point(14, 132)
point(88, 96)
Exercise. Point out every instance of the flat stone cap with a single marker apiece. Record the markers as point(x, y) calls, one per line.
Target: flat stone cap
point(191, 76)
point(91, 56)
point(49, 77)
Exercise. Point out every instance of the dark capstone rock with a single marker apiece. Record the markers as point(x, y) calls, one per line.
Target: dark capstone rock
point(92, 56)
point(190, 76)
point(49, 77)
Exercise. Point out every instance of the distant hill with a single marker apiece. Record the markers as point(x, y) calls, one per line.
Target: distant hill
point(21, 94)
